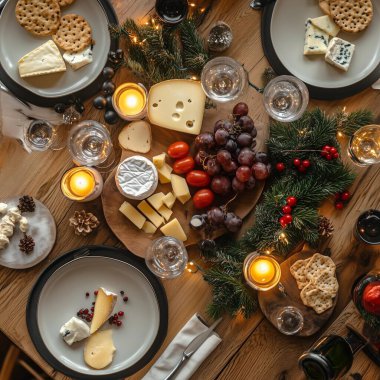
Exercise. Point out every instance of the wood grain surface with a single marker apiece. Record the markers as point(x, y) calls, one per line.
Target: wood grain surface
point(251, 349)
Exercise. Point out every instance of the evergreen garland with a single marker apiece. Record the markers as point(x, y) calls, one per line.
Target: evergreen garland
point(302, 139)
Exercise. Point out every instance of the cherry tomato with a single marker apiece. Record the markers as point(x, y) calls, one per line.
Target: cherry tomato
point(198, 178)
point(203, 198)
point(178, 149)
point(183, 165)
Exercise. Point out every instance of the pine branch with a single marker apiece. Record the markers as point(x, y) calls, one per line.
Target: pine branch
point(348, 124)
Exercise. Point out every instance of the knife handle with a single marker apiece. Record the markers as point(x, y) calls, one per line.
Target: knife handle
point(176, 368)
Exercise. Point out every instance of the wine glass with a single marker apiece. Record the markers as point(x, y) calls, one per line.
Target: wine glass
point(171, 12)
point(286, 98)
point(364, 146)
point(223, 79)
point(289, 320)
point(166, 257)
point(90, 144)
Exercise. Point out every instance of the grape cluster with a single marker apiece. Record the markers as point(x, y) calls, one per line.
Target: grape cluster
point(227, 155)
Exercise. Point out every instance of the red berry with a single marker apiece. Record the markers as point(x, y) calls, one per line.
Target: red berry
point(296, 162)
point(125, 299)
point(287, 209)
point(288, 218)
point(329, 157)
point(85, 311)
point(92, 308)
point(280, 166)
point(345, 196)
point(87, 294)
point(110, 320)
point(333, 150)
point(327, 148)
point(88, 319)
point(122, 292)
point(115, 316)
point(119, 323)
point(96, 292)
point(339, 205)
point(302, 169)
point(306, 163)
point(282, 222)
point(324, 153)
point(93, 303)
point(291, 201)
point(120, 313)
point(337, 196)
point(336, 155)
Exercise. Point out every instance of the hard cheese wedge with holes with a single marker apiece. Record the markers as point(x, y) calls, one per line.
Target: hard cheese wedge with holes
point(177, 104)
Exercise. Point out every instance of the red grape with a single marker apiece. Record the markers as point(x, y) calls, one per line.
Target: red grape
point(215, 216)
point(231, 167)
point(251, 183)
point(260, 171)
point(246, 124)
point(237, 185)
point(231, 146)
point(224, 157)
point(243, 173)
point(254, 132)
point(205, 141)
point(246, 157)
point(213, 167)
point(262, 157)
point(240, 109)
point(244, 139)
point(232, 222)
point(200, 157)
point(218, 125)
point(221, 136)
point(221, 185)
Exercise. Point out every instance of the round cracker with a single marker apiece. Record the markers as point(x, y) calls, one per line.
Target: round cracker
point(351, 15)
point(325, 6)
point(65, 3)
point(39, 17)
point(74, 33)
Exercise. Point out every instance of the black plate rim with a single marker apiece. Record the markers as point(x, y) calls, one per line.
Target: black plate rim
point(320, 93)
point(103, 251)
point(90, 90)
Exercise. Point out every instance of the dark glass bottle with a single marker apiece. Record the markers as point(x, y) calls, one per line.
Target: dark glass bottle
point(368, 227)
point(172, 11)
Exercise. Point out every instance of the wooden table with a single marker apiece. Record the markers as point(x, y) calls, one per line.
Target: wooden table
point(251, 349)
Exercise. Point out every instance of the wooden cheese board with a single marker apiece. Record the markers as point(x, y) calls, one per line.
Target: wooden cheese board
point(273, 300)
point(137, 241)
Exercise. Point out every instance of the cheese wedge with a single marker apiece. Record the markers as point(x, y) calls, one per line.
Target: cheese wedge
point(327, 24)
point(104, 304)
point(180, 188)
point(99, 349)
point(132, 214)
point(136, 136)
point(165, 212)
point(152, 215)
point(159, 160)
point(156, 200)
point(149, 228)
point(78, 59)
point(169, 199)
point(164, 173)
point(174, 229)
point(45, 59)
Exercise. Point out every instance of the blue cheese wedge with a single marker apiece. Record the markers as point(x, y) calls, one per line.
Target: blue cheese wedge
point(327, 24)
point(316, 40)
point(45, 59)
point(74, 330)
point(339, 53)
point(79, 59)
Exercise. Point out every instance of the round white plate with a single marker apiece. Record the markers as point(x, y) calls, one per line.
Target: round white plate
point(16, 42)
point(287, 31)
point(43, 230)
point(64, 294)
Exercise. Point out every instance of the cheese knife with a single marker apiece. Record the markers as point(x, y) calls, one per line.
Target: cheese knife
point(192, 347)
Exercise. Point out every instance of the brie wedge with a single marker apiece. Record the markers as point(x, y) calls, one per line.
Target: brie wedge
point(79, 59)
point(99, 349)
point(45, 59)
point(74, 330)
point(104, 304)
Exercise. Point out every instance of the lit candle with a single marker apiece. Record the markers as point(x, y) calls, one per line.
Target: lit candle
point(82, 184)
point(129, 101)
point(262, 271)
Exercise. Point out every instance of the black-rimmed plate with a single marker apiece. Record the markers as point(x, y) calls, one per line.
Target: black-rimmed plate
point(47, 90)
point(283, 31)
point(60, 292)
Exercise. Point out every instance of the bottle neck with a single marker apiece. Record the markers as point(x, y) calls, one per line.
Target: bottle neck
point(355, 341)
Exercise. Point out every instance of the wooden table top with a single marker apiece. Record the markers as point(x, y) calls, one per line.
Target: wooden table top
point(251, 349)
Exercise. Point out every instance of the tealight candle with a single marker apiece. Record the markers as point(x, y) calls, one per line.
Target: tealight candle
point(82, 184)
point(129, 101)
point(262, 272)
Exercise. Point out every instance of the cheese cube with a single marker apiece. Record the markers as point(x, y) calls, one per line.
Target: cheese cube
point(132, 214)
point(164, 173)
point(165, 212)
point(339, 53)
point(149, 228)
point(174, 229)
point(327, 24)
point(177, 104)
point(180, 188)
point(159, 160)
point(316, 40)
point(152, 215)
point(169, 199)
point(156, 200)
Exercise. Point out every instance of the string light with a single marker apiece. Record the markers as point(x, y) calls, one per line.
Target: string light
point(283, 238)
point(191, 267)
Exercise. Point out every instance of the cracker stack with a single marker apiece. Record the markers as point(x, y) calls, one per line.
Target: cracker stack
point(316, 279)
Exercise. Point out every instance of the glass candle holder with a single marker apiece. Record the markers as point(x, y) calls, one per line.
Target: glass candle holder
point(367, 228)
point(262, 272)
point(130, 101)
point(82, 184)
point(286, 98)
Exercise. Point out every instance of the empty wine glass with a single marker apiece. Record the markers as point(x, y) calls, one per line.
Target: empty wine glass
point(289, 320)
point(286, 98)
point(40, 135)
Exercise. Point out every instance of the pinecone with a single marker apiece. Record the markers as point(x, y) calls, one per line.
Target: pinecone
point(83, 222)
point(26, 244)
point(325, 227)
point(26, 204)
point(268, 75)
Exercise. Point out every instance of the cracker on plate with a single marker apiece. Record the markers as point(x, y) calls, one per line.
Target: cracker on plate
point(65, 3)
point(325, 6)
point(327, 283)
point(317, 264)
point(298, 271)
point(318, 300)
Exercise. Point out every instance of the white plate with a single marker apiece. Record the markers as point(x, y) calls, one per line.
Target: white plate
point(64, 294)
point(288, 32)
point(42, 229)
point(15, 42)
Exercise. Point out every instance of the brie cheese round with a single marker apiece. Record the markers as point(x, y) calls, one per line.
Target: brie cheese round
point(136, 178)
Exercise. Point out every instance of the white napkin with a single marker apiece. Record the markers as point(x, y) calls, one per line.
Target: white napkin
point(173, 352)
point(376, 85)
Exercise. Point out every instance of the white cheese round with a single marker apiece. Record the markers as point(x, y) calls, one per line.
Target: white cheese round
point(136, 178)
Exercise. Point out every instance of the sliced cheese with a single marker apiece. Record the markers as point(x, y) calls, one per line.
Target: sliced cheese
point(180, 188)
point(165, 212)
point(132, 214)
point(99, 349)
point(169, 199)
point(177, 104)
point(159, 160)
point(78, 59)
point(152, 215)
point(156, 200)
point(316, 40)
point(327, 24)
point(136, 136)
point(45, 59)
point(164, 173)
point(149, 228)
point(104, 304)
point(174, 229)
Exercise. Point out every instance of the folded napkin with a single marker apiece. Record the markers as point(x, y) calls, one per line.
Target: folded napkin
point(173, 352)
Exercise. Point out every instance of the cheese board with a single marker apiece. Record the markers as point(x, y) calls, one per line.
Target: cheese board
point(273, 300)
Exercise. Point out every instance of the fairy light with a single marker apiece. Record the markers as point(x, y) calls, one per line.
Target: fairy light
point(191, 267)
point(192, 5)
point(283, 238)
